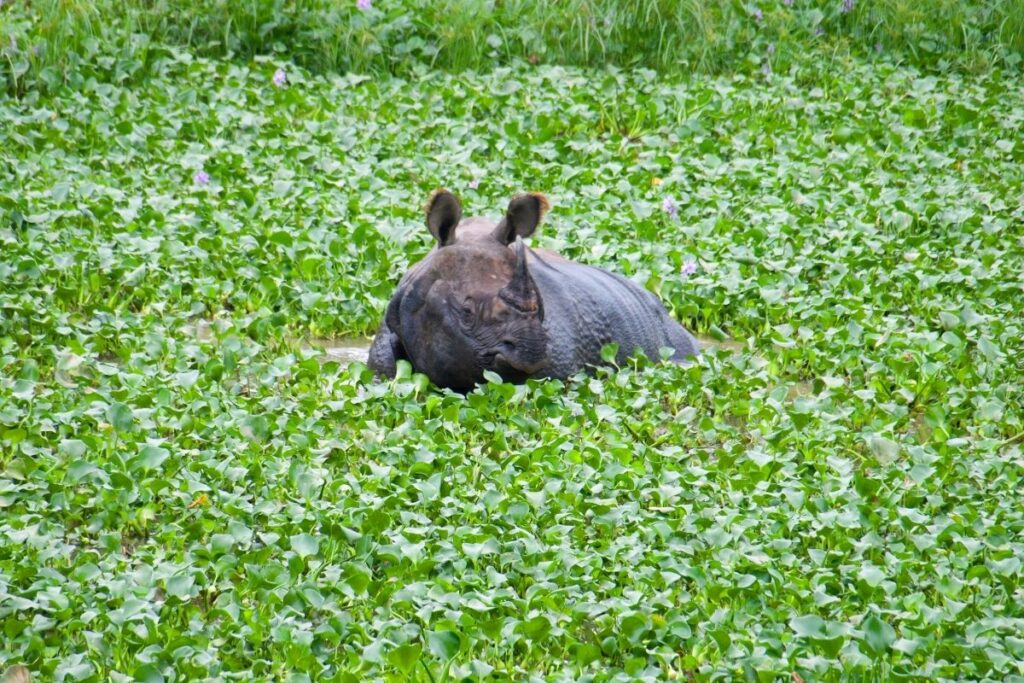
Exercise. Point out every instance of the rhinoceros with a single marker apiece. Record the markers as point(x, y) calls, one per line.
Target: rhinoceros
point(482, 300)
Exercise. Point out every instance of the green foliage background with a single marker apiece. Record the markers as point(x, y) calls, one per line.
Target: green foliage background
point(58, 41)
point(189, 491)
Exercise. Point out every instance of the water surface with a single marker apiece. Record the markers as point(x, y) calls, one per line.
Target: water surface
point(353, 349)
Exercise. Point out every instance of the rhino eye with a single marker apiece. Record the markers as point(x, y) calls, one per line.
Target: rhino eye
point(466, 309)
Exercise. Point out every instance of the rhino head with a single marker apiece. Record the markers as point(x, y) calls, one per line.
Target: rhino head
point(471, 304)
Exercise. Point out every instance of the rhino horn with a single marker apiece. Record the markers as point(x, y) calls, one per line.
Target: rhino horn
point(521, 291)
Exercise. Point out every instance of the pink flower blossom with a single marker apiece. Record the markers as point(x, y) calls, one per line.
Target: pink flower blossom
point(689, 268)
point(364, 4)
point(670, 207)
point(280, 78)
point(201, 177)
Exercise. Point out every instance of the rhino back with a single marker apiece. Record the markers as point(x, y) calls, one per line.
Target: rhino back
point(586, 308)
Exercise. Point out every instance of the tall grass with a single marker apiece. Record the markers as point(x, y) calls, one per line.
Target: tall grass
point(54, 41)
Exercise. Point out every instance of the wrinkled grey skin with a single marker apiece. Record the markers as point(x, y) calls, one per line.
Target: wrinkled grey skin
point(482, 300)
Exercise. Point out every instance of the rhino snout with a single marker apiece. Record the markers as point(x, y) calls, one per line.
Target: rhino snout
point(504, 364)
point(509, 357)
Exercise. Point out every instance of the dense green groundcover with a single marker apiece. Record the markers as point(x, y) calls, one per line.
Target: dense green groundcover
point(45, 43)
point(839, 497)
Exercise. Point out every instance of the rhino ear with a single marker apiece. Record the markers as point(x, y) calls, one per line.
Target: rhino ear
point(522, 217)
point(443, 213)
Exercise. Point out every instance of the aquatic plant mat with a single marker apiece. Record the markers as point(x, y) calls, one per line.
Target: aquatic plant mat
point(189, 490)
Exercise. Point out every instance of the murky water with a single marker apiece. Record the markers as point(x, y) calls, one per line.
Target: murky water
point(707, 342)
point(346, 350)
point(352, 349)
point(201, 330)
point(342, 349)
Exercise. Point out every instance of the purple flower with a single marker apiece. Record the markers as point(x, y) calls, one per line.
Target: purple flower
point(280, 77)
point(364, 4)
point(787, 3)
point(757, 14)
point(766, 68)
point(689, 268)
point(878, 47)
point(771, 49)
point(474, 183)
point(670, 207)
point(847, 6)
point(201, 177)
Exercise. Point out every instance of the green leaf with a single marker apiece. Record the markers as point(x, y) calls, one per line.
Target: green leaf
point(80, 469)
point(949, 321)
point(59, 192)
point(444, 644)
point(609, 352)
point(872, 575)
point(404, 657)
point(878, 635)
point(759, 457)
point(147, 673)
point(186, 380)
point(180, 586)
point(73, 448)
point(587, 653)
point(120, 416)
point(1008, 566)
point(885, 450)
point(23, 389)
point(305, 545)
point(988, 349)
point(150, 458)
point(536, 628)
point(808, 625)
point(255, 427)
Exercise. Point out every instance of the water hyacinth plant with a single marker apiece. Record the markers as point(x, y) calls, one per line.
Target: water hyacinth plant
point(193, 488)
point(835, 496)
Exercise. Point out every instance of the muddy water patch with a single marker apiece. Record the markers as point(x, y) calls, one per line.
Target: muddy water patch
point(200, 329)
point(356, 349)
point(709, 342)
point(796, 389)
point(344, 350)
